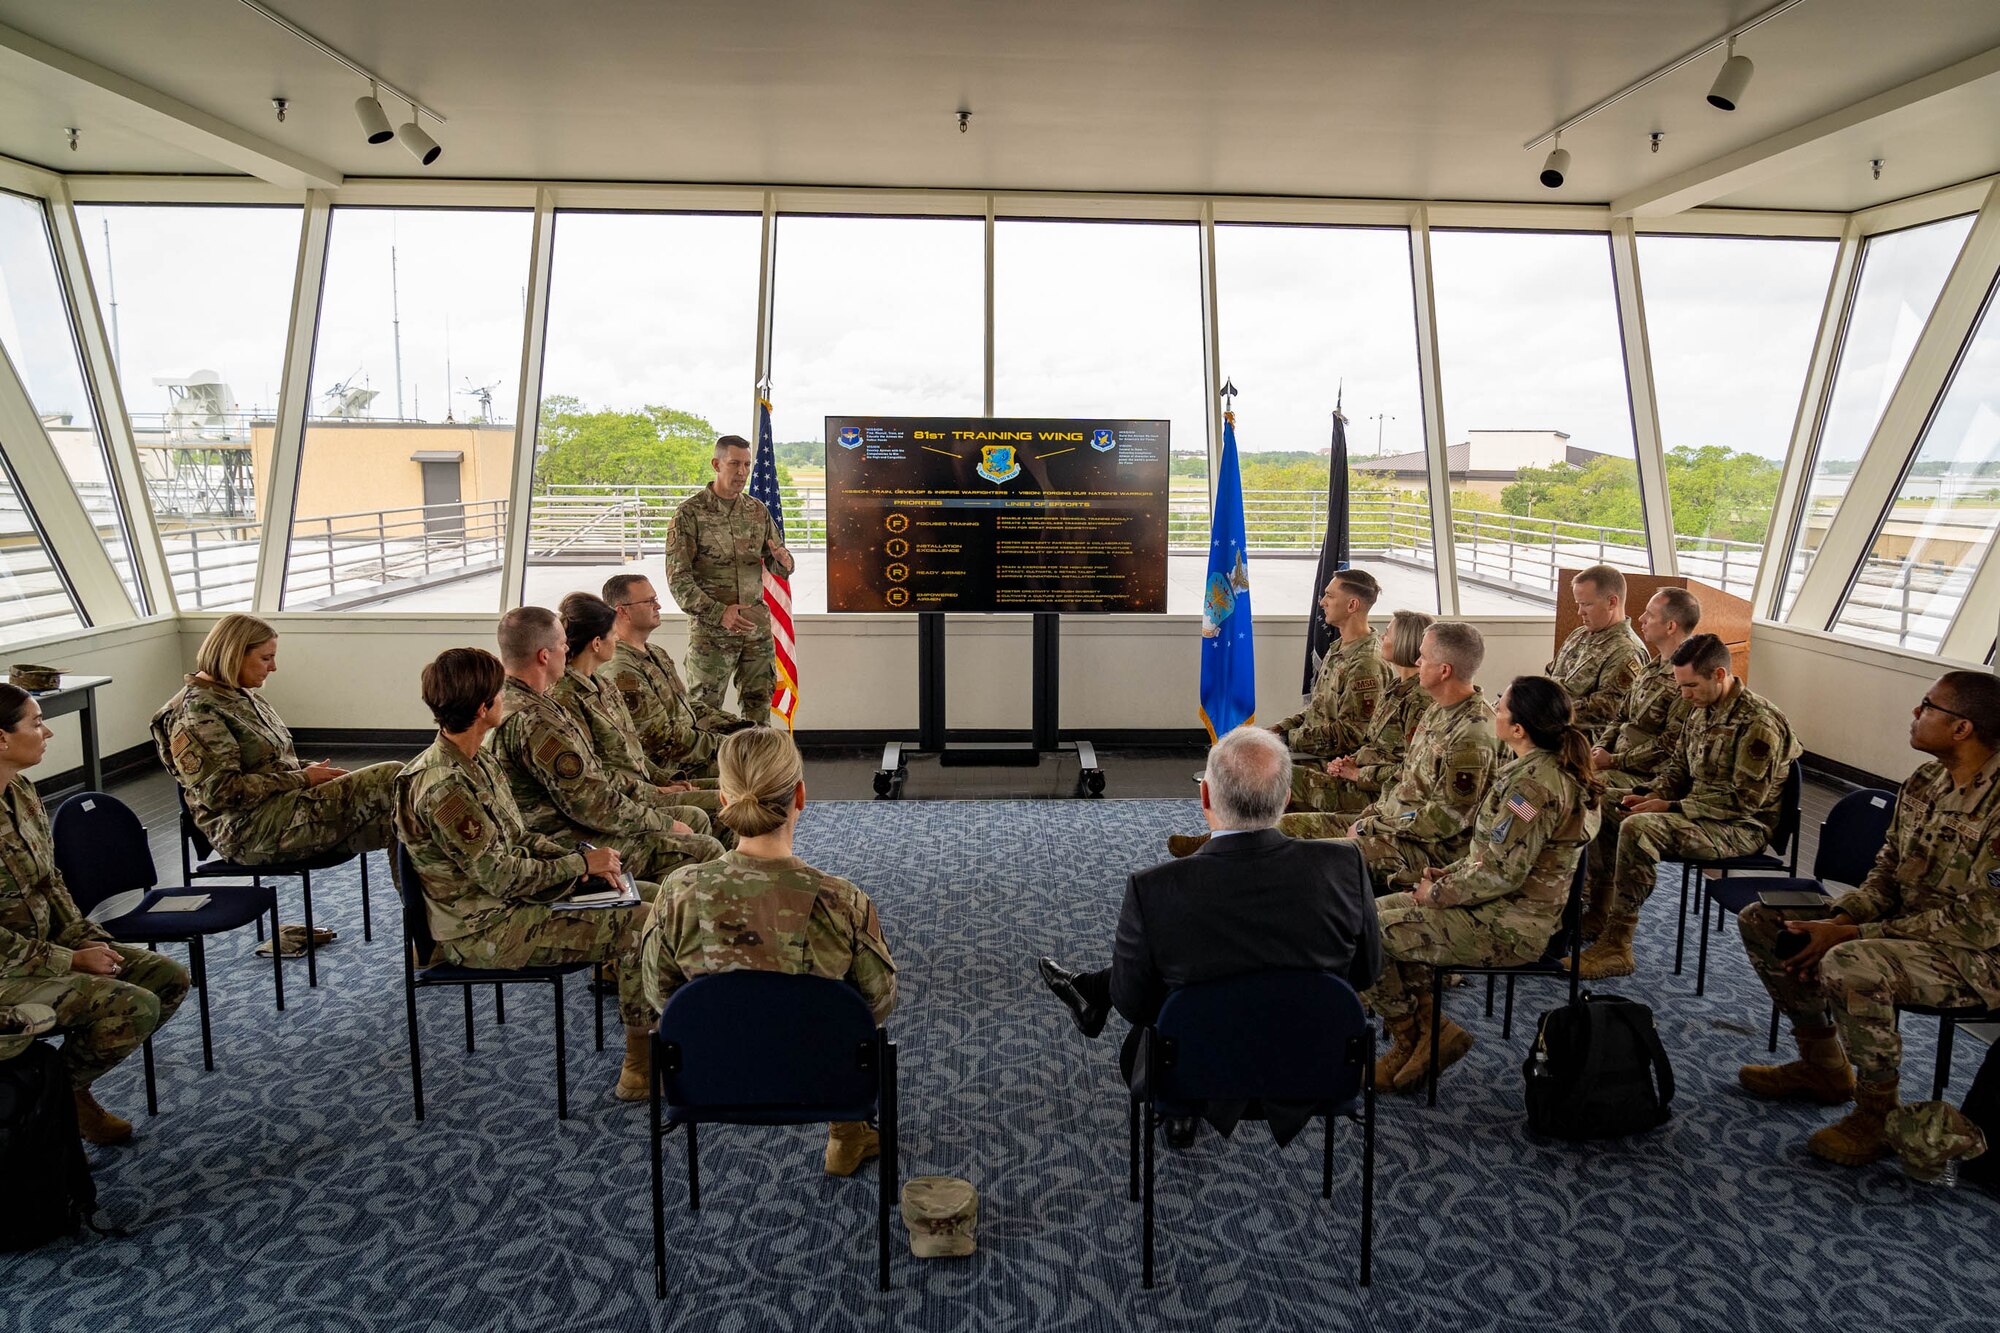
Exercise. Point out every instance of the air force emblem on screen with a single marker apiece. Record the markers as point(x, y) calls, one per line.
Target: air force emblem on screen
point(850, 437)
point(998, 463)
point(1103, 440)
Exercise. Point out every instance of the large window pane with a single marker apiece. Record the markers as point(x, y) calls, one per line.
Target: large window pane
point(651, 343)
point(1311, 316)
point(1544, 471)
point(1104, 319)
point(873, 317)
point(197, 300)
point(1900, 277)
point(409, 448)
point(34, 599)
point(1731, 322)
point(35, 328)
point(1938, 530)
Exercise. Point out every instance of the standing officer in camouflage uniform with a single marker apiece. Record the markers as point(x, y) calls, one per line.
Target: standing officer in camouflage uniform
point(1349, 783)
point(486, 879)
point(678, 732)
point(552, 768)
point(1719, 795)
point(1425, 820)
point(1600, 659)
point(722, 542)
point(760, 907)
point(1648, 730)
point(1503, 901)
point(1922, 928)
point(108, 998)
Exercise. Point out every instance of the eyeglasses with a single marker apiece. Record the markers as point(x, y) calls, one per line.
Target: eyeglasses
point(646, 601)
point(1938, 708)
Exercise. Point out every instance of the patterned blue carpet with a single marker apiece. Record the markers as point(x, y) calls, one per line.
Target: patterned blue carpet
point(292, 1189)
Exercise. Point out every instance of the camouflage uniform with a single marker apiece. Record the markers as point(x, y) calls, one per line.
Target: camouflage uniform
point(104, 1019)
point(247, 790)
point(599, 708)
point(715, 559)
point(486, 878)
point(1647, 730)
point(678, 732)
point(1501, 903)
point(769, 915)
point(1725, 781)
point(1596, 668)
point(1929, 913)
point(1426, 819)
point(1378, 761)
point(564, 793)
point(1336, 718)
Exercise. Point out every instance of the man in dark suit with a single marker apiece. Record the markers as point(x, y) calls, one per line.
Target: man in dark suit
point(1251, 900)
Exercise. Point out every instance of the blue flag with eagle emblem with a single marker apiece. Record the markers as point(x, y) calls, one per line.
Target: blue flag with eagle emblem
point(1228, 660)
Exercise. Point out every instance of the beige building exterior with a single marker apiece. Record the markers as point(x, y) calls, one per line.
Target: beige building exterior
point(1484, 464)
point(360, 466)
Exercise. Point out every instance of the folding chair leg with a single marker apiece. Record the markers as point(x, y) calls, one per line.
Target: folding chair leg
point(277, 959)
point(1490, 979)
point(694, 1170)
point(659, 1182)
point(1942, 1079)
point(888, 1170)
point(1437, 1030)
point(1326, 1158)
point(152, 1082)
point(1507, 1021)
point(466, 991)
point(198, 970)
point(367, 916)
point(416, 1050)
point(1368, 1163)
point(597, 1001)
point(499, 1003)
point(1132, 1127)
point(1146, 1197)
point(1701, 955)
point(1681, 930)
point(312, 950)
point(1774, 1027)
point(562, 1056)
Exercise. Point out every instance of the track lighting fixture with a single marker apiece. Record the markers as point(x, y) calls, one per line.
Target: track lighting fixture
point(373, 121)
point(1556, 165)
point(422, 147)
point(1734, 77)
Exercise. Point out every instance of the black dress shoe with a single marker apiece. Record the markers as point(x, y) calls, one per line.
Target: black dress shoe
point(1062, 982)
point(1180, 1132)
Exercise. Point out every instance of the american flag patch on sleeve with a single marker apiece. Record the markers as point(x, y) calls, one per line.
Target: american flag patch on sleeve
point(1522, 808)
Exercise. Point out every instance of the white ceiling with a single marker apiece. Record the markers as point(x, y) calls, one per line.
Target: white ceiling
point(1427, 99)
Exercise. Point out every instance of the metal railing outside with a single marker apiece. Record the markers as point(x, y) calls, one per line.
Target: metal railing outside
point(339, 560)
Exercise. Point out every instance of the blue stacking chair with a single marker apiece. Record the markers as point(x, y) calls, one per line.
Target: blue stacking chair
point(421, 972)
point(770, 1048)
point(1781, 857)
point(1849, 840)
point(1299, 1037)
point(1567, 941)
point(102, 850)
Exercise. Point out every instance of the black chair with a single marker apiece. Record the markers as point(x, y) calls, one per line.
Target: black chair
point(1849, 840)
point(418, 943)
point(1295, 1037)
point(1782, 855)
point(1566, 942)
point(196, 850)
point(770, 1048)
point(102, 850)
point(1948, 1017)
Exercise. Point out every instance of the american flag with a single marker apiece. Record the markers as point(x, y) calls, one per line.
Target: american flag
point(777, 588)
point(1522, 808)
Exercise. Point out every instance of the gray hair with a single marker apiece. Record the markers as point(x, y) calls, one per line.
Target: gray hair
point(1249, 778)
point(1459, 646)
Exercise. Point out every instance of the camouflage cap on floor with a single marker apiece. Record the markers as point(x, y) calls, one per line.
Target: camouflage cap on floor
point(1925, 1136)
point(942, 1213)
point(20, 1024)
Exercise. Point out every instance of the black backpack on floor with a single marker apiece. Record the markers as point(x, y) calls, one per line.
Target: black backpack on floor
point(49, 1190)
point(1598, 1071)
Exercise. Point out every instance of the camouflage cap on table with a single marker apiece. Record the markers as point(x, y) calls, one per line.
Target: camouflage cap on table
point(942, 1212)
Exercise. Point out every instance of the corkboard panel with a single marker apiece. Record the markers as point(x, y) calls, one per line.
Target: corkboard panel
point(1722, 614)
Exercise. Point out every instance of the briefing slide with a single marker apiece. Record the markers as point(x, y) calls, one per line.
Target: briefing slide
point(991, 514)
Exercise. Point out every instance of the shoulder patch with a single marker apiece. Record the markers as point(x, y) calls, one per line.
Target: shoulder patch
point(187, 756)
point(569, 765)
point(550, 746)
point(1760, 748)
point(1464, 781)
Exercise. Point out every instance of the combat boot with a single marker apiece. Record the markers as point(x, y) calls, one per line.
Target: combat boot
point(1821, 1074)
point(97, 1125)
point(849, 1143)
point(1402, 1045)
point(1453, 1042)
point(1596, 908)
point(635, 1078)
point(1185, 844)
point(1858, 1138)
point(1611, 956)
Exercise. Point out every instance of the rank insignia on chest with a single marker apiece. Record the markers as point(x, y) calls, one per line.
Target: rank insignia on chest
point(569, 765)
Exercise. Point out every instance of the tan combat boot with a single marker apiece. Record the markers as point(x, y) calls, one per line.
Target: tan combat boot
point(1597, 906)
point(1611, 956)
point(1821, 1073)
point(97, 1125)
point(635, 1078)
point(1402, 1045)
point(1185, 844)
point(849, 1143)
point(1453, 1042)
point(1858, 1138)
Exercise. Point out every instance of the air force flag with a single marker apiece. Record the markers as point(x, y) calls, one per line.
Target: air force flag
point(1228, 665)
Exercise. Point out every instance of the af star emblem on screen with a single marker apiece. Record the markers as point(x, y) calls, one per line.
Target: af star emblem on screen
point(998, 463)
point(1103, 440)
point(850, 437)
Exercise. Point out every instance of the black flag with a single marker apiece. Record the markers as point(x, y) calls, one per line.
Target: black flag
point(1332, 551)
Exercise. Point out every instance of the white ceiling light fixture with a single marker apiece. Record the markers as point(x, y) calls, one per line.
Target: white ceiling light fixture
point(1555, 167)
point(374, 121)
point(1727, 90)
point(368, 110)
point(422, 147)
